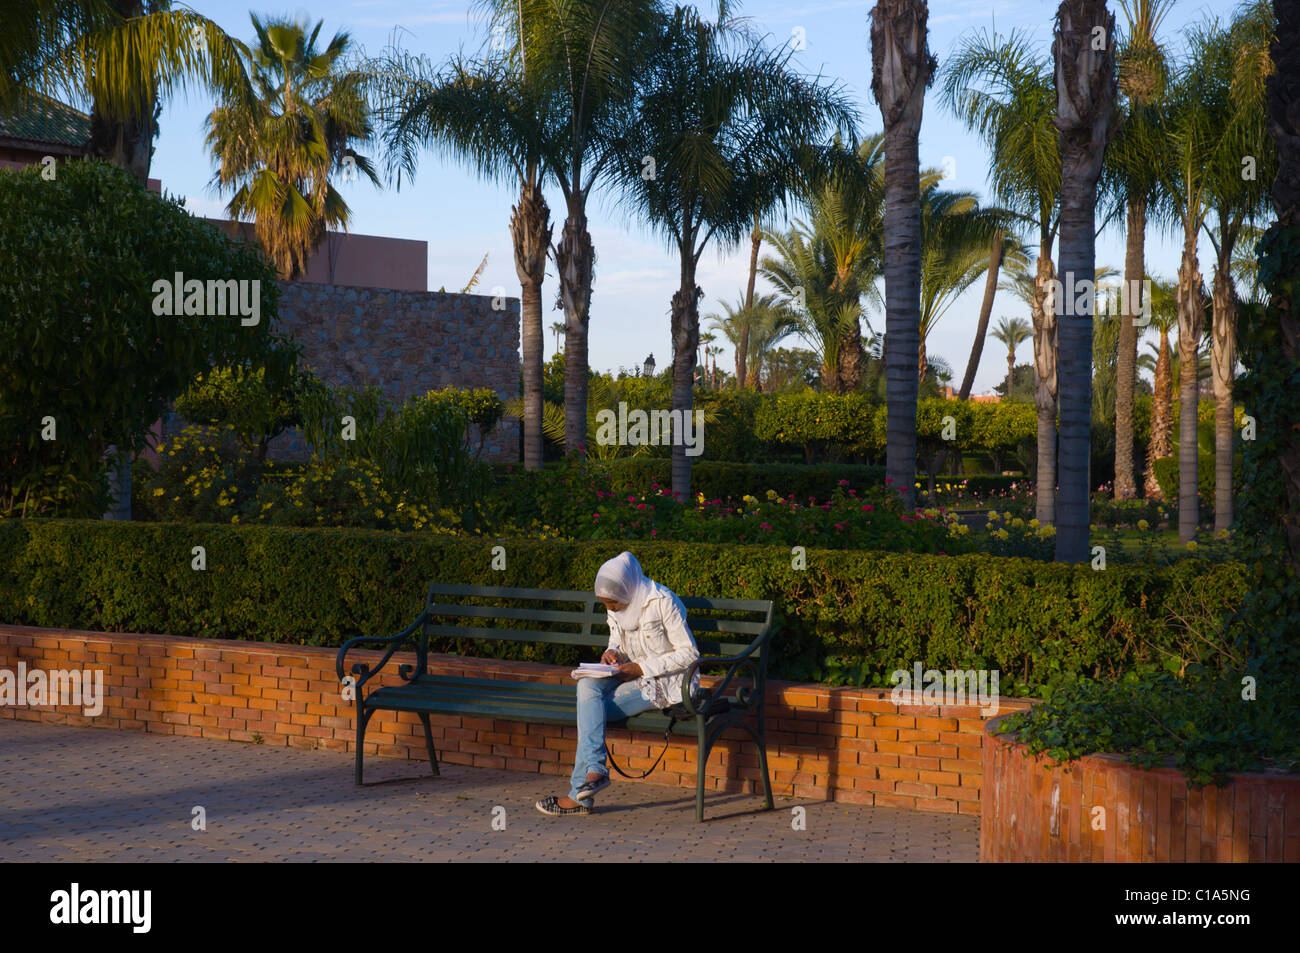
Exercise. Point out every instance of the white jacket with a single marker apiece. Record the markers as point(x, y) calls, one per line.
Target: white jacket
point(662, 645)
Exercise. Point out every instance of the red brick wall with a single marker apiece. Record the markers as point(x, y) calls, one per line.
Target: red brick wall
point(1035, 810)
point(844, 744)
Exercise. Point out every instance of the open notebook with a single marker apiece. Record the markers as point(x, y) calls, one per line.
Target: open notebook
point(594, 670)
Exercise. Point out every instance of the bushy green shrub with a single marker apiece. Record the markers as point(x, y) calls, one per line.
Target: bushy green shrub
point(821, 424)
point(1166, 469)
point(866, 613)
point(1199, 724)
point(90, 356)
point(731, 481)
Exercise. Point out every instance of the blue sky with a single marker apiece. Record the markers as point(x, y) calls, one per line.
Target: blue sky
point(462, 218)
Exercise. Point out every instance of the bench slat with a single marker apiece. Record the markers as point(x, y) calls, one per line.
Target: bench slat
point(510, 612)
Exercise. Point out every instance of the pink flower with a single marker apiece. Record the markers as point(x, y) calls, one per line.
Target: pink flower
point(654, 532)
point(595, 516)
point(764, 525)
point(889, 479)
point(844, 483)
point(640, 506)
point(839, 525)
point(868, 507)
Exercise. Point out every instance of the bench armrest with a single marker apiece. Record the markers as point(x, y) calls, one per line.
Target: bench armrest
point(735, 663)
point(394, 642)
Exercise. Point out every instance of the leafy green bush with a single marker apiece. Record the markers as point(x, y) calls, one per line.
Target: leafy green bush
point(82, 349)
point(866, 613)
point(822, 424)
point(731, 481)
point(1200, 725)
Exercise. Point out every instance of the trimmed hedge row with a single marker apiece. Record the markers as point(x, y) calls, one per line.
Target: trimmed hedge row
point(730, 481)
point(868, 612)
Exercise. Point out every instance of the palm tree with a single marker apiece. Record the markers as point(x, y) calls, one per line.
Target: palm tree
point(1134, 164)
point(124, 57)
point(1086, 119)
point(276, 150)
point(955, 237)
point(588, 55)
point(1199, 119)
point(499, 121)
point(991, 275)
point(557, 328)
point(1164, 318)
point(757, 328)
point(1236, 201)
point(901, 71)
point(727, 121)
point(1001, 89)
point(1012, 332)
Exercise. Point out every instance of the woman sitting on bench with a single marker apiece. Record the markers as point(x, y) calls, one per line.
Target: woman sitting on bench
point(652, 646)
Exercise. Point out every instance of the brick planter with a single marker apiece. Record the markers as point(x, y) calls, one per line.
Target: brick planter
point(844, 744)
point(1101, 808)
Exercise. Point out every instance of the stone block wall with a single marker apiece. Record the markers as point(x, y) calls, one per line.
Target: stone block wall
point(407, 343)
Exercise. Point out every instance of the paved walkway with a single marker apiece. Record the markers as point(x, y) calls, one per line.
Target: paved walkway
point(90, 794)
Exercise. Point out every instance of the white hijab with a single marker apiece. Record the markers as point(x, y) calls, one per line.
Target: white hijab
point(622, 580)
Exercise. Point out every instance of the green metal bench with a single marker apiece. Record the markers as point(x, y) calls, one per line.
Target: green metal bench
point(457, 612)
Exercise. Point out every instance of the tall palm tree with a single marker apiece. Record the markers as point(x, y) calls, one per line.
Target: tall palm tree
point(557, 328)
point(727, 121)
point(1164, 318)
point(999, 88)
point(277, 150)
point(956, 233)
point(991, 275)
point(1199, 117)
point(1236, 200)
point(1133, 170)
point(590, 55)
point(901, 71)
point(1012, 332)
point(1086, 119)
point(498, 118)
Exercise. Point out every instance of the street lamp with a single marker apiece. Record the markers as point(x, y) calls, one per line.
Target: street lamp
point(650, 366)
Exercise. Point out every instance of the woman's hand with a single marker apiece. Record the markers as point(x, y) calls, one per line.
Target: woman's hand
point(630, 670)
point(610, 657)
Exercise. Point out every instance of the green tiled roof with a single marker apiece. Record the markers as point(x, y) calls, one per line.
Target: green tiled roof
point(42, 119)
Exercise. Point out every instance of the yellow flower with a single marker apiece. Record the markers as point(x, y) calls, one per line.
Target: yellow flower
point(1001, 533)
point(1046, 531)
point(1191, 546)
point(1006, 515)
point(1018, 523)
point(994, 517)
point(159, 492)
point(1222, 534)
point(1143, 524)
point(1034, 524)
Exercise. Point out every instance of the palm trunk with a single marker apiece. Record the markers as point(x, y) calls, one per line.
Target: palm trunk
point(742, 349)
point(1043, 313)
point(574, 259)
point(1085, 103)
point(851, 358)
point(922, 359)
point(1189, 335)
point(1223, 358)
point(986, 311)
point(1126, 361)
point(1161, 444)
point(901, 70)
point(686, 333)
point(1011, 373)
point(530, 232)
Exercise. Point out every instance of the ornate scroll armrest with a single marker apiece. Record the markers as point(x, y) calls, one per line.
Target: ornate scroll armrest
point(734, 663)
point(394, 642)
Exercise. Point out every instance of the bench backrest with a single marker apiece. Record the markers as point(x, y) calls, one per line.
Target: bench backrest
point(457, 611)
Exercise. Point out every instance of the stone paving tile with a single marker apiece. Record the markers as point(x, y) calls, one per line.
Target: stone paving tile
point(89, 794)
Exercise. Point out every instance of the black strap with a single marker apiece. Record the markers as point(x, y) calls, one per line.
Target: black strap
point(675, 714)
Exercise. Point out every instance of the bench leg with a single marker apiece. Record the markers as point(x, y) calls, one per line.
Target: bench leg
point(760, 743)
point(428, 741)
point(363, 719)
point(702, 756)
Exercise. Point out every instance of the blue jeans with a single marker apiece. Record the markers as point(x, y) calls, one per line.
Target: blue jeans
point(598, 700)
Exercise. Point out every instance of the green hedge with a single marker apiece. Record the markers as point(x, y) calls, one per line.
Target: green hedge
point(1167, 476)
point(731, 481)
point(852, 616)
